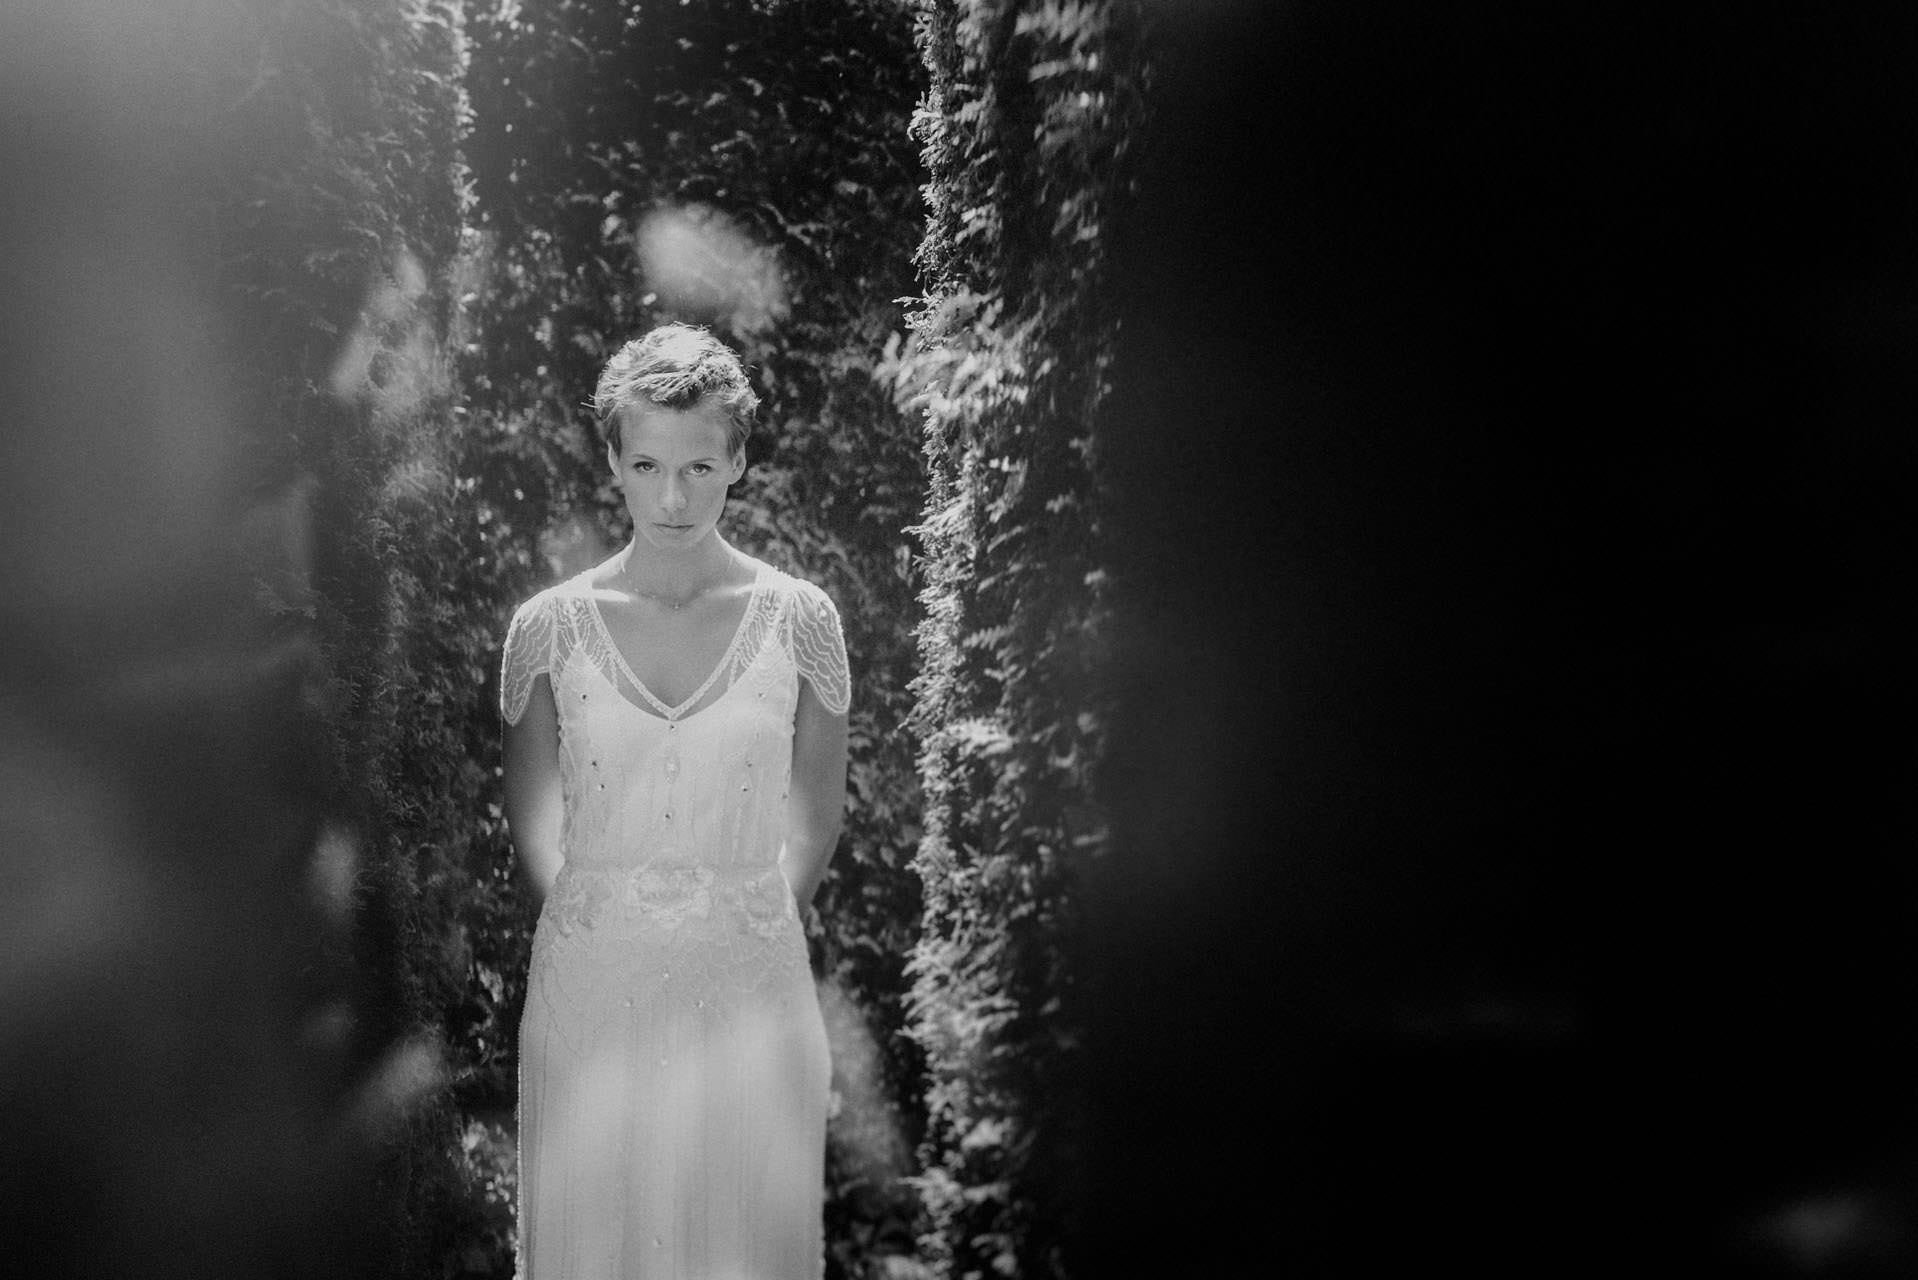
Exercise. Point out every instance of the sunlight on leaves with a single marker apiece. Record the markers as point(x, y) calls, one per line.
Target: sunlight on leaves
point(703, 266)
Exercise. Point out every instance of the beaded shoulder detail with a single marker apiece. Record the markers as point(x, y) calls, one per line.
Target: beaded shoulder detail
point(796, 614)
point(818, 645)
point(528, 654)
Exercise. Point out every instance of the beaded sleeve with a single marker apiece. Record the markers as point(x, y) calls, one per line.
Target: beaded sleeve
point(528, 654)
point(819, 647)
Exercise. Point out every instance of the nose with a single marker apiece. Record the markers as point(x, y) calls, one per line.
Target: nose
point(673, 497)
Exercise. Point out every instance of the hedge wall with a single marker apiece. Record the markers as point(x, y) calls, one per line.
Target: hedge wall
point(341, 225)
point(1025, 128)
point(229, 227)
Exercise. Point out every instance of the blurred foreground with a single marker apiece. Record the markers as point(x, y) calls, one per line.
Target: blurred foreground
point(1516, 780)
point(194, 1077)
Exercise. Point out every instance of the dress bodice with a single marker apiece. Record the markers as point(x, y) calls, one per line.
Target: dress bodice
point(703, 784)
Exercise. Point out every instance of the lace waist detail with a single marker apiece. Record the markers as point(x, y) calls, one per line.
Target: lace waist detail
point(672, 895)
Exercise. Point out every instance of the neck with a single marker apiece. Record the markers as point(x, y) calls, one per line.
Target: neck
point(674, 575)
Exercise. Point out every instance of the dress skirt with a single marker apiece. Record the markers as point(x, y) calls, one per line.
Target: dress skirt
point(674, 1081)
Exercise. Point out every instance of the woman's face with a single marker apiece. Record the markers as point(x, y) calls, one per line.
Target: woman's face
point(672, 467)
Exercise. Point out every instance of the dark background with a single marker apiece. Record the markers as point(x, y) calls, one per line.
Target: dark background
point(1510, 447)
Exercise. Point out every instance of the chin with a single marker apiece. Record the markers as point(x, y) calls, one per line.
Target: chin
point(674, 537)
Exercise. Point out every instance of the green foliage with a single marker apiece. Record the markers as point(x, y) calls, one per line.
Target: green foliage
point(340, 208)
point(1025, 127)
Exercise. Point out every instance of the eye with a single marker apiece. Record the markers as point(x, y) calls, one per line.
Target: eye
point(642, 465)
point(700, 468)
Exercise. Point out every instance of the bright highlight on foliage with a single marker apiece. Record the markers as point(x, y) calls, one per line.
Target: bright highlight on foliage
point(698, 263)
point(409, 1074)
point(866, 1122)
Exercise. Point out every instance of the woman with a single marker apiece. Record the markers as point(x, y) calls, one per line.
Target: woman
point(675, 764)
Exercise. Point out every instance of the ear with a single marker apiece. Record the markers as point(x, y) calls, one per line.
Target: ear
point(739, 465)
point(612, 458)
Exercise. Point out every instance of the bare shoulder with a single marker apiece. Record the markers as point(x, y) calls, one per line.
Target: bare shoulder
point(602, 578)
point(748, 571)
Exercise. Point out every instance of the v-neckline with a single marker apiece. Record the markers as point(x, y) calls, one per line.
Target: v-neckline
point(691, 705)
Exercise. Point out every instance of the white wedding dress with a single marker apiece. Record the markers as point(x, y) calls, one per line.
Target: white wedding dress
point(673, 1062)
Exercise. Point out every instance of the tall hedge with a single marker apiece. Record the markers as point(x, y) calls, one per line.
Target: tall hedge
point(228, 228)
point(1025, 130)
point(341, 217)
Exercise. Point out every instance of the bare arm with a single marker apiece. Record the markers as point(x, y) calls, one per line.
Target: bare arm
point(533, 805)
point(816, 802)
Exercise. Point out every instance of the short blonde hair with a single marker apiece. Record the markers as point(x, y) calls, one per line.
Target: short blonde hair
point(675, 366)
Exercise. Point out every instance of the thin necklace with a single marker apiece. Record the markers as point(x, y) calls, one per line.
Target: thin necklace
point(677, 605)
point(674, 605)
